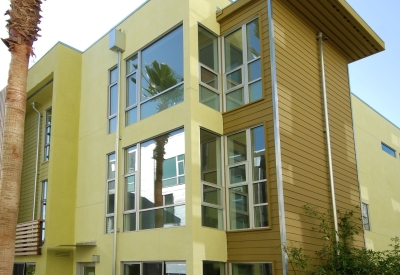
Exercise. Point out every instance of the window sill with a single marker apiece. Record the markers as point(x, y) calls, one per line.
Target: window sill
point(248, 229)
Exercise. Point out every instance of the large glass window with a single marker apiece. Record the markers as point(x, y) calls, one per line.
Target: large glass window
point(154, 78)
point(112, 100)
point(24, 269)
point(252, 269)
point(110, 197)
point(211, 177)
point(47, 135)
point(154, 268)
point(242, 66)
point(246, 178)
point(209, 86)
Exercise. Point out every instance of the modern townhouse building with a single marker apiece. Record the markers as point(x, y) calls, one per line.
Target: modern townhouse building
point(189, 138)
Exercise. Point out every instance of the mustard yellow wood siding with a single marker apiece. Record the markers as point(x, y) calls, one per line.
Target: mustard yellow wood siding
point(303, 145)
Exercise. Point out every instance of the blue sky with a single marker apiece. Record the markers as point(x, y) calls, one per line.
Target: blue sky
point(374, 79)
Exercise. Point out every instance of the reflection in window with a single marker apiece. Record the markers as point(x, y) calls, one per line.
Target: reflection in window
point(110, 204)
point(112, 100)
point(213, 268)
point(242, 66)
point(47, 135)
point(212, 195)
point(252, 269)
point(209, 69)
point(130, 189)
point(248, 203)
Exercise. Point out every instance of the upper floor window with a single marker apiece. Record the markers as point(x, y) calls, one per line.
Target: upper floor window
point(43, 204)
point(112, 100)
point(251, 268)
point(209, 86)
point(154, 77)
point(213, 268)
point(47, 135)
point(246, 179)
point(154, 268)
point(242, 66)
point(110, 197)
point(365, 216)
point(388, 150)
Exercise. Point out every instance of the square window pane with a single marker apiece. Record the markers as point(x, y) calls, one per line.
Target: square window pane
point(130, 222)
point(152, 268)
point(130, 193)
point(168, 199)
point(209, 78)
point(255, 91)
point(252, 269)
point(238, 207)
point(237, 148)
point(260, 192)
point(258, 153)
point(212, 195)
point(131, 64)
point(261, 216)
point(234, 99)
point(111, 166)
point(209, 98)
point(233, 50)
point(131, 269)
point(113, 100)
point(131, 116)
point(213, 268)
point(254, 70)
point(109, 225)
point(234, 79)
point(212, 217)
point(162, 102)
point(181, 157)
point(113, 75)
point(181, 180)
point(253, 40)
point(131, 90)
point(208, 49)
point(164, 217)
point(237, 174)
point(112, 127)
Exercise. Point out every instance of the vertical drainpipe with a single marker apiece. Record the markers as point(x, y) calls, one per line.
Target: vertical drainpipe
point(277, 138)
point(117, 44)
point(36, 161)
point(328, 134)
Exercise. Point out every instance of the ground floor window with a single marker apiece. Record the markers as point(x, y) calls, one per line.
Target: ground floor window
point(154, 268)
point(213, 268)
point(251, 269)
point(24, 269)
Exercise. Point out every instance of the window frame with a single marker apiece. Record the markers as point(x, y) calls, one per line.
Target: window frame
point(43, 207)
point(110, 86)
point(140, 263)
point(365, 210)
point(106, 204)
point(243, 67)
point(138, 84)
point(47, 127)
point(388, 148)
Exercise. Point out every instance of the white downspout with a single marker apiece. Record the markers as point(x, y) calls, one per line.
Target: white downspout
point(328, 134)
point(37, 160)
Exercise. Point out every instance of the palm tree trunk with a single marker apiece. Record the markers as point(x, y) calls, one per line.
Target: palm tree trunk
point(12, 154)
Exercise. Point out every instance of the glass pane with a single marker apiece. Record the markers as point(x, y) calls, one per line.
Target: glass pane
point(237, 174)
point(252, 269)
point(238, 207)
point(208, 49)
point(209, 78)
point(109, 225)
point(254, 70)
point(162, 64)
point(113, 99)
point(210, 147)
point(130, 193)
point(261, 216)
point(175, 268)
point(181, 168)
point(110, 198)
point(47, 138)
point(48, 117)
point(46, 153)
point(130, 222)
point(255, 91)
point(30, 269)
point(162, 102)
point(164, 217)
point(88, 270)
point(131, 269)
point(112, 127)
point(233, 50)
point(130, 160)
point(212, 217)
point(152, 269)
point(213, 268)
point(258, 153)
point(158, 160)
point(111, 166)
point(237, 148)
point(131, 64)
point(209, 98)
point(131, 90)
point(212, 195)
point(253, 40)
point(260, 192)
point(234, 99)
point(113, 75)
point(388, 150)
point(131, 116)
point(234, 79)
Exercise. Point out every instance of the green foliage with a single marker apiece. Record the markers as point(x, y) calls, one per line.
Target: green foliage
point(342, 257)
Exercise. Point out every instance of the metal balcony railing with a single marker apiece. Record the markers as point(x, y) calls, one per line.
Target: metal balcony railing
point(28, 239)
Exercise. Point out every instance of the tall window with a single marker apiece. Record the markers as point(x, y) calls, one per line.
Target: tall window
point(211, 177)
point(112, 100)
point(242, 70)
point(154, 268)
point(246, 177)
point(252, 269)
point(209, 69)
point(154, 77)
point(43, 203)
point(365, 216)
point(110, 198)
point(47, 135)
point(130, 188)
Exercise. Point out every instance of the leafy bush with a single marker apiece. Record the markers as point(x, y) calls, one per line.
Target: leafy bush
point(342, 257)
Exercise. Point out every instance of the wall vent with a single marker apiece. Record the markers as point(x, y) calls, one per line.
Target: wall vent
point(62, 254)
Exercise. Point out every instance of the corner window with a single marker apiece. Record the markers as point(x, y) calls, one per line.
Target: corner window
point(112, 100)
point(154, 268)
point(388, 150)
point(211, 178)
point(110, 193)
point(365, 216)
point(154, 78)
point(252, 269)
point(43, 203)
point(47, 135)
point(246, 179)
point(209, 86)
point(242, 66)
